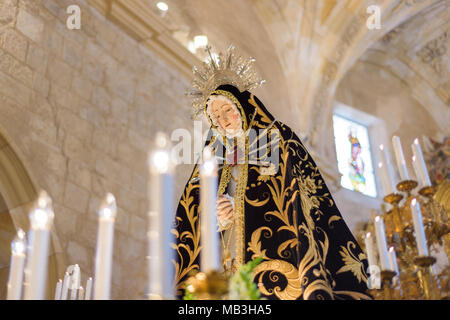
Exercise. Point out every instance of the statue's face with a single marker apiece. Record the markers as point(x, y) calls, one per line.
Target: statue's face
point(227, 116)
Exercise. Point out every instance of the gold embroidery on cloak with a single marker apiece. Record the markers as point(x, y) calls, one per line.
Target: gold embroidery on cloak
point(193, 234)
point(277, 188)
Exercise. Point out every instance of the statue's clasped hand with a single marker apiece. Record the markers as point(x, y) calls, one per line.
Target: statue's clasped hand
point(225, 211)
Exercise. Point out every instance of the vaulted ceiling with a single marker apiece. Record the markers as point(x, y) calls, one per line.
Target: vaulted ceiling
point(416, 51)
point(303, 48)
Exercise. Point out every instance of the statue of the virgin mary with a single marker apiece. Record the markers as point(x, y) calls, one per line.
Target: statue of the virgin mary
point(272, 200)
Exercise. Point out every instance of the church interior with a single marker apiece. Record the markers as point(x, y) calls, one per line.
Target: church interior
point(86, 85)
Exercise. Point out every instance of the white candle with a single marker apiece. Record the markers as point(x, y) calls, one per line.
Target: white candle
point(65, 286)
point(381, 243)
point(81, 293)
point(393, 263)
point(387, 189)
point(75, 282)
point(393, 260)
point(368, 240)
point(418, 228)
point(26, 272)
point(161, 216)
point(73, 294)
point(417, 170)
point(421, 166)
point(401, 163)
point(105, 245)
point(387, 168)
point(87, 294)
point(58, 290)
point(16, 270)
point(41, 219)
point(210, 254)
point(369, 249)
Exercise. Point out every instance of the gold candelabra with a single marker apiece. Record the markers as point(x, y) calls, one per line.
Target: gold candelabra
point(212, 285)
point(417, 278)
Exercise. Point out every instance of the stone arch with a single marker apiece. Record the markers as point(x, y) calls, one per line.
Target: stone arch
point(351, 43)
point(17, 193)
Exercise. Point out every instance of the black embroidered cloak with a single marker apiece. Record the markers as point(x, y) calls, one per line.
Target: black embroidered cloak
point(286, 216)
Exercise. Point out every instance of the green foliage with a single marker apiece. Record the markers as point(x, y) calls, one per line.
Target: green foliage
point(188, 295)
point(241, 286)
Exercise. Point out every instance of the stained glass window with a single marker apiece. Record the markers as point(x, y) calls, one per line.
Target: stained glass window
point(353, 155)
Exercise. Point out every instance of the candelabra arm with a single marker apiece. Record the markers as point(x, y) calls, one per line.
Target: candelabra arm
point(212, 285)
point(386, 281)
point(407, 186)
point(426, 276)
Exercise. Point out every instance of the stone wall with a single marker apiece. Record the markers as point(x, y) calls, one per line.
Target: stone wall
point(7, 232)
point(82, 107)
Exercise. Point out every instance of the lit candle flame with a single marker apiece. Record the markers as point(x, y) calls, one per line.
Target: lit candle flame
point(18, 245)
point(108, 209)
point(200, 41)
point(209, 164)
point(159, 159)
point(41, 217)
point(21, 234)
point(162, 6)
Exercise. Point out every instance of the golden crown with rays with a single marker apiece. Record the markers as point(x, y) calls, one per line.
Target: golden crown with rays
point(223, 69)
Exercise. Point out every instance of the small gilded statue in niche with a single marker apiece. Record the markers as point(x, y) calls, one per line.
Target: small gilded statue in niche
point(272, 200)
